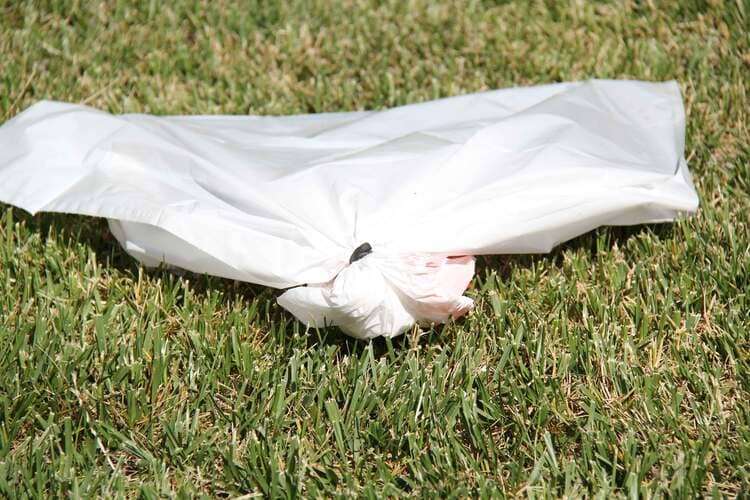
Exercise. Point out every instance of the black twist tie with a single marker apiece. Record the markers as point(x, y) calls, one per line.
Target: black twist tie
point(359, 252)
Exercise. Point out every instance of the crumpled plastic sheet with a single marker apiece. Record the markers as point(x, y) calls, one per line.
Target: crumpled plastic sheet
point(284, 201)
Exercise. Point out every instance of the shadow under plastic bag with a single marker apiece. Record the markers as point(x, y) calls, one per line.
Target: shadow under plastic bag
point(596, 241)
point(94, 233)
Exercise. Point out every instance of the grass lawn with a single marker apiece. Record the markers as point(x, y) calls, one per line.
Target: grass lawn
point(617, 365)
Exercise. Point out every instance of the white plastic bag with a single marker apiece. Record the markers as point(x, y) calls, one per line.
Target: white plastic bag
point(285, 201)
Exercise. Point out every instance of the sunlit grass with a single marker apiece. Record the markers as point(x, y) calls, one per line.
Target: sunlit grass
point(618, 364)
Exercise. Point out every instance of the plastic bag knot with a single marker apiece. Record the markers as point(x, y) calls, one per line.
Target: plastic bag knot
point(359, 252)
